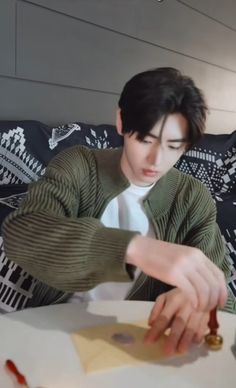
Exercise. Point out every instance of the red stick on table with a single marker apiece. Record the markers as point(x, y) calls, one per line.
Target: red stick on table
point(13, 369)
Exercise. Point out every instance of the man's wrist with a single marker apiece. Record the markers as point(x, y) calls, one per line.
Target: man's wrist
point(131, 256)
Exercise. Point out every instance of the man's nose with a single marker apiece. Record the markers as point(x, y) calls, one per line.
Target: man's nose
point(156, 155)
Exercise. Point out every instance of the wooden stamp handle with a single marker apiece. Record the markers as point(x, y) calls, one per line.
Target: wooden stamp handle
point(213, 323)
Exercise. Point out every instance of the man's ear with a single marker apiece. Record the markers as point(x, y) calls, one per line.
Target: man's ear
point(119, 122)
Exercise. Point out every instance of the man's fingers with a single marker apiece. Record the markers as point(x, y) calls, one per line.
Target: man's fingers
point(157, 308)
point(223, 293)
point(203, 290)
point(157, 329)
point(164, 317)
point(210, 285)
point(202, 329)
point(214, 289)
point(186, 340)
point(176, 332)
point(195, 330)
point(189, 290)
point(213, 279)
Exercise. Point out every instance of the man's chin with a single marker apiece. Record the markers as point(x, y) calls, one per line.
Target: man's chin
point(147, 181)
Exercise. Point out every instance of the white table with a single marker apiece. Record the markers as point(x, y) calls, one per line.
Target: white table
point(39, 342)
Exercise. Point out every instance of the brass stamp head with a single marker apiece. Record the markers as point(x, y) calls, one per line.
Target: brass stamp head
point(214, 341)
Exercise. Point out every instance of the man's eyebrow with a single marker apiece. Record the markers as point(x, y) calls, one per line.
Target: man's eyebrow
point(183, 140)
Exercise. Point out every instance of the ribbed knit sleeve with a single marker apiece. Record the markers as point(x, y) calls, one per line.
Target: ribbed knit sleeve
point(52, 237)
point(205, 235)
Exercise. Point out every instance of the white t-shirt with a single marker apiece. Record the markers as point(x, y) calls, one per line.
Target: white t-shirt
point(125, 211)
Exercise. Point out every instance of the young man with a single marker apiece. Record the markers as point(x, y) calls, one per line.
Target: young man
point(123, 223)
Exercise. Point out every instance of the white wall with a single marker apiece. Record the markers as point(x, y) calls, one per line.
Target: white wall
point(67, 60)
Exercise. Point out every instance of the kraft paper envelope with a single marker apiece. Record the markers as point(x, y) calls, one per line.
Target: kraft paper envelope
point(98, 350)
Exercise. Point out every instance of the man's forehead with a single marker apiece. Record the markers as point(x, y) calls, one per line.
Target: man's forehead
point(174, 127)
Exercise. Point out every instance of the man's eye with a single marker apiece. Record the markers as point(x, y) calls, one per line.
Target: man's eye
point(174, 148)
point(146, 141)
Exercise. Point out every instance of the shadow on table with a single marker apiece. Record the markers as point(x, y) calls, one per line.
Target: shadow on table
point(195, 353)
point(67, 317)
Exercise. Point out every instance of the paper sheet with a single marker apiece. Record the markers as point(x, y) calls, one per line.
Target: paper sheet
point(98, 350)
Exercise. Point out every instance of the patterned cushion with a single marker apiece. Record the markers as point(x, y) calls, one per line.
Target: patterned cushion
point(93, 136)
point(16, 285)
point(213, 161)
point(226, 216)
point(26, 147)
point(20, 145)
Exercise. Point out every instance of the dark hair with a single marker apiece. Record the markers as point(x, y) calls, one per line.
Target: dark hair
point(154, 94)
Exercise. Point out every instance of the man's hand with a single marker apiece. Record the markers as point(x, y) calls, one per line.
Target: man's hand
point(184, 267)
point(172, 310)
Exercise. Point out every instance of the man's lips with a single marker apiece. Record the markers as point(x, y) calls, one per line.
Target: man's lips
point(150, 173)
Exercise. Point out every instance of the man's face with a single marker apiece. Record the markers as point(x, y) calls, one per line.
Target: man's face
point(145, 161)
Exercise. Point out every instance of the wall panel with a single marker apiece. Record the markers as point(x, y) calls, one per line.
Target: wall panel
point(7, 37)
point(74, 56)
point(169, 24)
point(58, 49)
point(223, 11)
point(120, 15)
point(25, 100)
point(75, 105)
point(221, 122)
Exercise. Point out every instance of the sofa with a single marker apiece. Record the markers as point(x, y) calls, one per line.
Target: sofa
point(26, 147)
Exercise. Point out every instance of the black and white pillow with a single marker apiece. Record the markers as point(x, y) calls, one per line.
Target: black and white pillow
point(24, 151)
point(26, 147)
point(213, 162)
point(16, 285)
point(92, 136)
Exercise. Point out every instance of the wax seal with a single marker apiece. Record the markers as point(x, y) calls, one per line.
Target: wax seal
point(123, 338)
point(214, 341)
